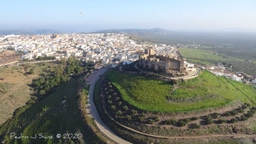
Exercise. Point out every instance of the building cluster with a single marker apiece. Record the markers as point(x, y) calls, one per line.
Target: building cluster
point(167, 62)
point(106, 48)
point(221, 70)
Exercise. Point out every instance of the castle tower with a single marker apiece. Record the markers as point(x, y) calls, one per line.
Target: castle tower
point(151, 51)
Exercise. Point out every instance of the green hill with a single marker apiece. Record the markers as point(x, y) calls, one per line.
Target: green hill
point(49, 117)
point(205, 91)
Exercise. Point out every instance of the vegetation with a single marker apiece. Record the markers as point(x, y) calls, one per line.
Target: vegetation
point(152, 95)
point(236, 49)
point(207, 57)
point(50, 117)
point(15, 82)
point(46, 58)
point(60, 75)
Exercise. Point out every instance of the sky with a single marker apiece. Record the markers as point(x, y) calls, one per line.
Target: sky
point(175, 15)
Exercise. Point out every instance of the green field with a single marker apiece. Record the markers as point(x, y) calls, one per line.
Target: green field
point(50, 117)
point(204, 56)
point(150, 94)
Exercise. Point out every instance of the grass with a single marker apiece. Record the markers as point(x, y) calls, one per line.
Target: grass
point(149, 94)
point(50, 117)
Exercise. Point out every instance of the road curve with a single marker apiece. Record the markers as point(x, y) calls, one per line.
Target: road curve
point(95, 115)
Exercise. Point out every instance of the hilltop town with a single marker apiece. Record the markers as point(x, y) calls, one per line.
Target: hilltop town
point(106, 48)
point(88, 47)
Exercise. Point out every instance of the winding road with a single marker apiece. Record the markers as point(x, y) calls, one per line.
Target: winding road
point(95, 115)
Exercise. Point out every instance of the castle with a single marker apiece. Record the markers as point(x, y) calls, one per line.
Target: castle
point(165, 63)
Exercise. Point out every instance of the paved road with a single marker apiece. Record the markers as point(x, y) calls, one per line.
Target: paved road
point(95, 115)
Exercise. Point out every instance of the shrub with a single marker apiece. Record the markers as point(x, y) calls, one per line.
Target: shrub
point(233, 120)
point(128, 117)
point(244, 106)
point(119, 112)
point(119, 103)
point(194, 126)
point(125, 108)
point(243, 118)
point(187, 120)
point(253, 108)
point(113, 107)
point(220, 121)
point(109, 96)
point(150, 121)
point(234, 112)
point(167, 122)
point(227, 114)
point(215, 115)
point(117, 98)
point(181, 123)
point(208, 119)
point(193, 118)
point(156, 118)
point(141, 119)
point(110, 102)
point(240, 110)
point(134, 111)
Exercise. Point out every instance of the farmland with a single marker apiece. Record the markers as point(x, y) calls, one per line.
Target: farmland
point(204, 56)
point(154, 95)
point(209, 57)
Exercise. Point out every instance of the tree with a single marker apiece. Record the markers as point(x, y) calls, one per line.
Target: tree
point(119, 103)
point(109, 96)
point(141, 119)
point(117, 98)
point(79, 69)
point(63, 61)
point(119, 112)
point(42, 92)
point(110, 102)
point(125, 108)
point(113, 107)
point(181, 123)
point(31, 71)
point(134, 112)
point(128, 117)
point(71, 60)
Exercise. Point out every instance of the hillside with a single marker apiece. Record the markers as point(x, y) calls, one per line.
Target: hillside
point(50, 117)
point(205, 91)
point(14, 86)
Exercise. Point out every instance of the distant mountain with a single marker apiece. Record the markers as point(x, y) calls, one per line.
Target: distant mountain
point(28, 32)
point(158, 35)
point(136, 31)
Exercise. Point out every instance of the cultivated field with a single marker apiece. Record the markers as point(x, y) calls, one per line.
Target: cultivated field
point(208, 56)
